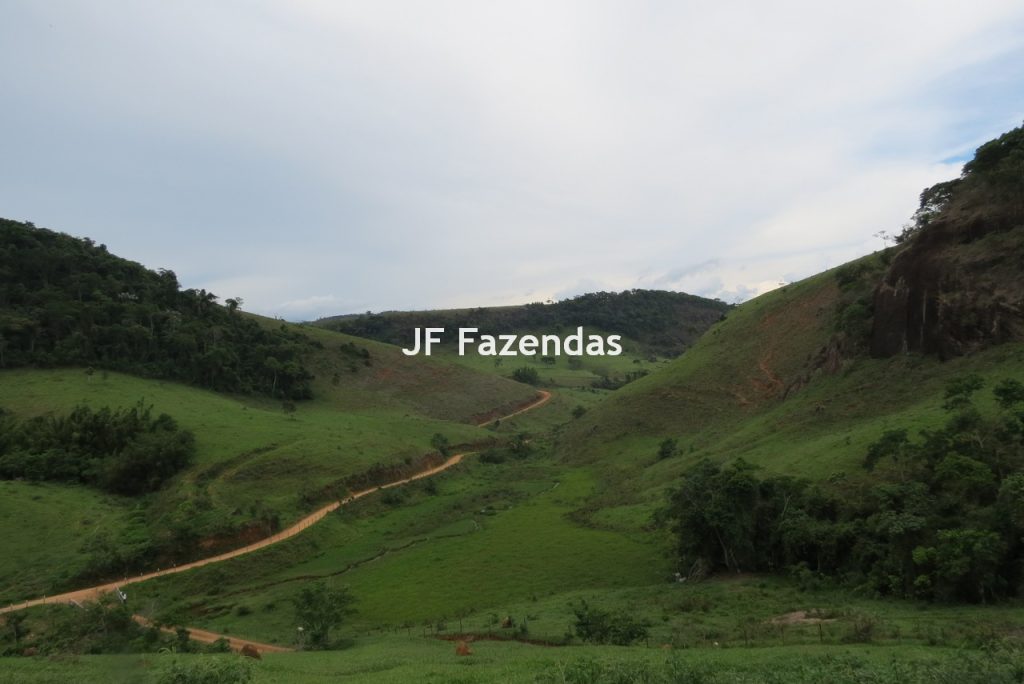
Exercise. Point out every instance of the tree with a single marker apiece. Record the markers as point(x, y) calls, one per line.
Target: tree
point(668, 448)
point(1009, 393)
point(319, 608)
point(441, 443)
point(526, 374)
point(520, 446)
point(963, 563)
point(960, 390)
point(69, 302)
point(603, 627)
point(125, 451)
point(894, 445)
point(715, 509)
point(14, 622)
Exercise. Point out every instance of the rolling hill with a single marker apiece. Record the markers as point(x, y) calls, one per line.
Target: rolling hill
point(655, 322)
point(846, 407)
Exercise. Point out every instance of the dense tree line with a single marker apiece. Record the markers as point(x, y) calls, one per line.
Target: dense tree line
point(665, 322)
point(123, 451)
point(68, 301)
point(941, 517)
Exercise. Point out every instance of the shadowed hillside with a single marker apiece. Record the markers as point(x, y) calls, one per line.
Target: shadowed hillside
point(659, 322)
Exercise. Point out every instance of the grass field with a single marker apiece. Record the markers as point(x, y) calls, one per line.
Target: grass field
point(398, 659)
point(559, 371)
point(253, 459)
point(431, 386)
point(66, 518)
point(479, 539)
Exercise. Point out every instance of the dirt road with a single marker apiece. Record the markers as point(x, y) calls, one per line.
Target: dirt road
point(204, 637)
point(93, 593)
point(544, 397)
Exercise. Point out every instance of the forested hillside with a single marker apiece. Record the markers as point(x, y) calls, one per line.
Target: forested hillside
point(664, 322)
point(68, 301)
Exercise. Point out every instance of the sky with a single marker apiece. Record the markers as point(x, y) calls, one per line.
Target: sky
point(318, 158)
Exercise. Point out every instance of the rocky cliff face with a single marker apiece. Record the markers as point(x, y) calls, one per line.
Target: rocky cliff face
point(956, 287)
point(958, 283)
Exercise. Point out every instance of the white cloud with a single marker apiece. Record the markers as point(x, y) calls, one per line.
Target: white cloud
point(414, 155)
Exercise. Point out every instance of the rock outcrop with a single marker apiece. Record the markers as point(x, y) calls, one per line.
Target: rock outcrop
point(957, 287)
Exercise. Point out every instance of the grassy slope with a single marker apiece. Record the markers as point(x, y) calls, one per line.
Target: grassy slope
point(249, 450)
point(427, 386)
point(401, 659)
point(486, 537)
point(558, 374)
point(723, 399)
point(64, 517)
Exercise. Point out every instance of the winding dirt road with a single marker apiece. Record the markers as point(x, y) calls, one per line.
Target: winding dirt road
point(93, 593)
point(205, 637)
point(79, 596)
point(544, 397)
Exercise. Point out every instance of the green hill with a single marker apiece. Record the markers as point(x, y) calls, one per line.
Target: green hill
point(69, 311)
point(912, 358)
point(801, 378)
point(655, 322)
point(833, 464)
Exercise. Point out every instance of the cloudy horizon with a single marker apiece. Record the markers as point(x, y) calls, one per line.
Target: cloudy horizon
point(319, 158)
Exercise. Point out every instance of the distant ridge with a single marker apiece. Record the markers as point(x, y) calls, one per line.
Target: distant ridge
point(662, 322)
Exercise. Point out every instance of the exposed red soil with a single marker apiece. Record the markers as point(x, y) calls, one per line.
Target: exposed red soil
point(487, 418)
point(469, 637)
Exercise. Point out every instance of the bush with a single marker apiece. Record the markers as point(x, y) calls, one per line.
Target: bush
point(441, 443)
point(668, 448)
point(123, 451)
point(603, 627)
point(492, 456)
point(526, 374)
point(200, 669)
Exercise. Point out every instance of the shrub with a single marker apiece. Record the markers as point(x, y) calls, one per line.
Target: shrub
point(200, 669)
point(526, 374)
point(603, 627)
point(668, 448)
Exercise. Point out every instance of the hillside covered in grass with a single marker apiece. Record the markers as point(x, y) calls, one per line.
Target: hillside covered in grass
point(798, 379)
point(131, 458)
point(893, 465)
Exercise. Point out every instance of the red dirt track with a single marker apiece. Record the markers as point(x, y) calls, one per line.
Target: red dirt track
point(79, 596)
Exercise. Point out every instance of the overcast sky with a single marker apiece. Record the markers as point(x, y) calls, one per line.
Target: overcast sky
point(317, 158)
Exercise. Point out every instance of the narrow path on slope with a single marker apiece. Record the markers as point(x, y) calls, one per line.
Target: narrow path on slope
point(544, 397)
point(205, 637)
point(93, 593)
